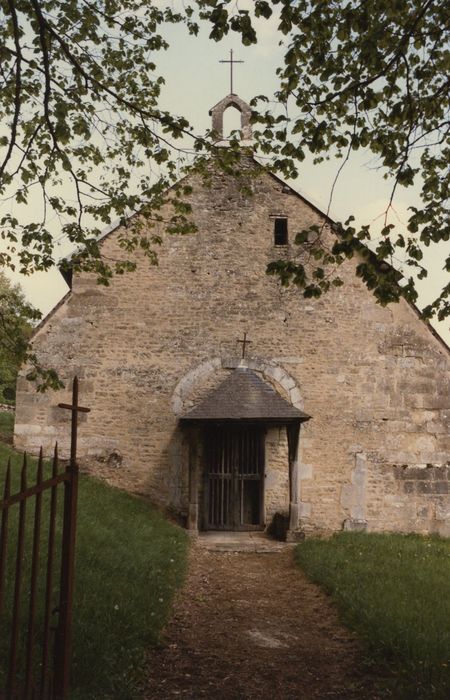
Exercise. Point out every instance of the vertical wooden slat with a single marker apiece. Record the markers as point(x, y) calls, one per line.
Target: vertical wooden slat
point(219, 491)
point(229, 443)
point(241, 515)
point(211, 480)
point(216, 502)
point(226, 469)
point(217, 468)
point(222, 475)
point(246, 455)
point(33, 583)
point(214, 467)
point(230, 477)
point(49, 580)
point(4, 535)
point(226, 465)
point(17, 587)
point(221, 494)
point(217, 477)
point(261, 472)
point(207, 480)
point(213, 501)
point(230, 514)
point(240, 470)
point(210, 517)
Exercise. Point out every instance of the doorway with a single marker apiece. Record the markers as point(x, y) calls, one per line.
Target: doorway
point(234, 477)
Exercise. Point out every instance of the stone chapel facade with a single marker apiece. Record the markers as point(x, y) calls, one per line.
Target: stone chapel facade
point(337, 417)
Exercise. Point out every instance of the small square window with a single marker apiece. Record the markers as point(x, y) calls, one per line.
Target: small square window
point(280, 232)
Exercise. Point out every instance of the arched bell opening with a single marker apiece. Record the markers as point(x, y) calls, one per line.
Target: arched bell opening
point(232, 123)
point(239, 121)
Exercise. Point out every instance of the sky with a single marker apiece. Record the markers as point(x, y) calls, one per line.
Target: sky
point(196, 80)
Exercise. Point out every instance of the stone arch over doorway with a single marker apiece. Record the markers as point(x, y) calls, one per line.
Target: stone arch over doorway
point(195, 389)
point(271, 371)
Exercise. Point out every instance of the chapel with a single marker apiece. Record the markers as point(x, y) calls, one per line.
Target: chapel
point(235, 403)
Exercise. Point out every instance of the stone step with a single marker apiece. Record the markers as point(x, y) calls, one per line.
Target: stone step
point(241, 542)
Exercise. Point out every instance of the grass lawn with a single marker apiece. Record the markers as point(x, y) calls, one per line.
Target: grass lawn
point(6, 425)
point(130, 561)
point(394, 591)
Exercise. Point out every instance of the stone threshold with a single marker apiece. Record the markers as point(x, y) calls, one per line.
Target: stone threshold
point(259, 542)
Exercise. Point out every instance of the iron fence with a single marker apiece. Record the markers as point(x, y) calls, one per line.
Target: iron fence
point(37, 575)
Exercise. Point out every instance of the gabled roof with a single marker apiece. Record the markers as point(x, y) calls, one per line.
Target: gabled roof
point(244, 396)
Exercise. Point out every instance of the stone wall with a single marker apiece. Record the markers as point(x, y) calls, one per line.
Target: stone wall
point(375, 380)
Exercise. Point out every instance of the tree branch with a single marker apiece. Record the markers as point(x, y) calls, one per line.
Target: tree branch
point(18, 88)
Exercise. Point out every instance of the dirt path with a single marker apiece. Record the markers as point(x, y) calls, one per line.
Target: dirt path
point(251, 626)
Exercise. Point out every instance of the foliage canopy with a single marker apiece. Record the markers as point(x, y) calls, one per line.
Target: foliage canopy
point(81, 107)
point(368, 75)
point(16, 319)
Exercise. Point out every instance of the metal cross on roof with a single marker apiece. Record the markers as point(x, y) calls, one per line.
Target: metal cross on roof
point(231, 62)
point(244, 342)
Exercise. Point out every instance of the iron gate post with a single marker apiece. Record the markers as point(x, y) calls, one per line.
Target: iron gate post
point(63, 640)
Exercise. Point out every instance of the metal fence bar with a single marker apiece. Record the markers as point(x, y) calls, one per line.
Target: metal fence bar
point(33, 584)
point(4, 536)
point(17, 586)
point(33, 490)
point(63, 646)
point(45, 681)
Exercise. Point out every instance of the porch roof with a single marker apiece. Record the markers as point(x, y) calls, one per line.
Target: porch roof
point(244, 396)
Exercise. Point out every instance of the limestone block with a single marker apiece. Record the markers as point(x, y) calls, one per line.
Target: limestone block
point(276, 373)
point(72, 323)
point(437, 428)
point(27, 429)
point(364, 414)
point(304, 509)
point(395, 501)
point(296, 398)
point(288, 360)
point(443, 510)
point(287, 383)
point(424, 443)
point(177, 404)
point(305, 471)
point(354, 525)
point(424, 512)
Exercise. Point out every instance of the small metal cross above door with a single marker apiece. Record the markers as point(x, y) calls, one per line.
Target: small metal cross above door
point(231, 61)
point(244, 342)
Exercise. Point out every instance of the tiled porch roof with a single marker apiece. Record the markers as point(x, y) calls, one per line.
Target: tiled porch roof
point(244, 396)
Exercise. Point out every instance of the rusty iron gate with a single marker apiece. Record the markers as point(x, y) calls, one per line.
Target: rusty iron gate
point(234, 477)
point(41, 555)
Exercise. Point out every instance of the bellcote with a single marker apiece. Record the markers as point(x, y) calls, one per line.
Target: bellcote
point(234, 102)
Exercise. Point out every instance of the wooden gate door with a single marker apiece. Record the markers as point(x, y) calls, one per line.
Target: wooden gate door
point(234, 484)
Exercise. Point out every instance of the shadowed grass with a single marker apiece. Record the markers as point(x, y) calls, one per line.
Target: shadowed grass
point(129, 562)
point(394, 590)
point(6, 425)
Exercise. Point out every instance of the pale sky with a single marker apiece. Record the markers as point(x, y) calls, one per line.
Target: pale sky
point(195, 81)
